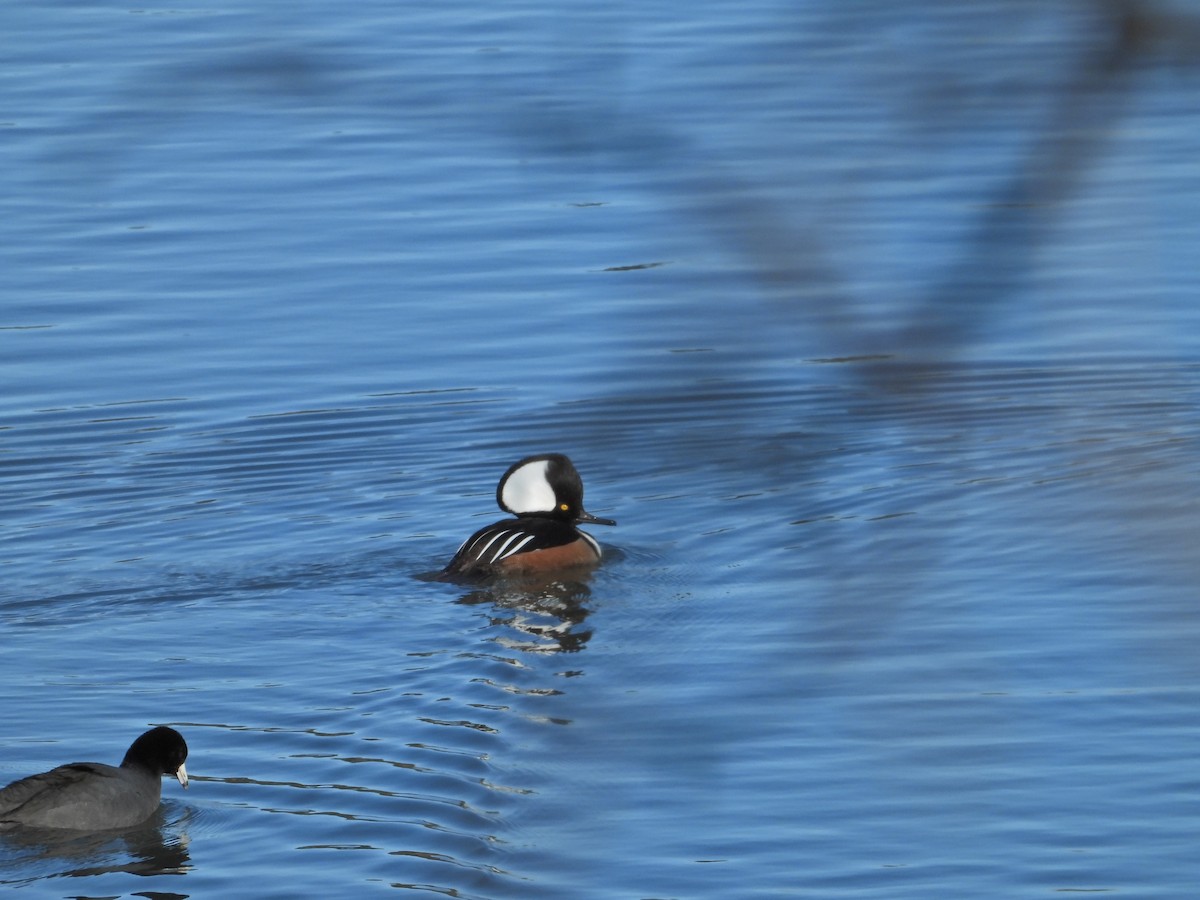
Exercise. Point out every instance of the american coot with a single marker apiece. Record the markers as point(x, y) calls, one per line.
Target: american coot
point(92, 796)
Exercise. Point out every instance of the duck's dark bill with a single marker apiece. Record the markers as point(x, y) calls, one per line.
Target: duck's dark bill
point(594, 520)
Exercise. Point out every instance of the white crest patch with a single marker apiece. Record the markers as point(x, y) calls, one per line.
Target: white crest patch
point(527, 490)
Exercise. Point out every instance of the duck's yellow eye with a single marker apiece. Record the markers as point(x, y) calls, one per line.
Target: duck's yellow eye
point(564, 506)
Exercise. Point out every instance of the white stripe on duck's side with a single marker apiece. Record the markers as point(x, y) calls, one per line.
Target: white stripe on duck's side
point(592, 542)
point(511, 542)
point(513, 545)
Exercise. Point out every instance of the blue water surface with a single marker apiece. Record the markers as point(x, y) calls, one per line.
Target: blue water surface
point(874, 329)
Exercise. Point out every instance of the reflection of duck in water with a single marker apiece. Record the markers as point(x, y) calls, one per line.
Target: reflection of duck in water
point(545, 493)
point(156, 846)
point(544, 615)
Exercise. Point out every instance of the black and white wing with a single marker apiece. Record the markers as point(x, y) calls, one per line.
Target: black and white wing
point(490, 546)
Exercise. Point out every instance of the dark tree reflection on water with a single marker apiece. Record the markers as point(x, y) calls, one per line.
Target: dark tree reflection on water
point(1021, 104)
point(1058, 107)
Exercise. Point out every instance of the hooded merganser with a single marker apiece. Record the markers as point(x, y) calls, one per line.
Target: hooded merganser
point(545, 493)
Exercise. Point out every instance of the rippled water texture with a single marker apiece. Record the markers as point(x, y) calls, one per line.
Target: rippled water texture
point(874, 329)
